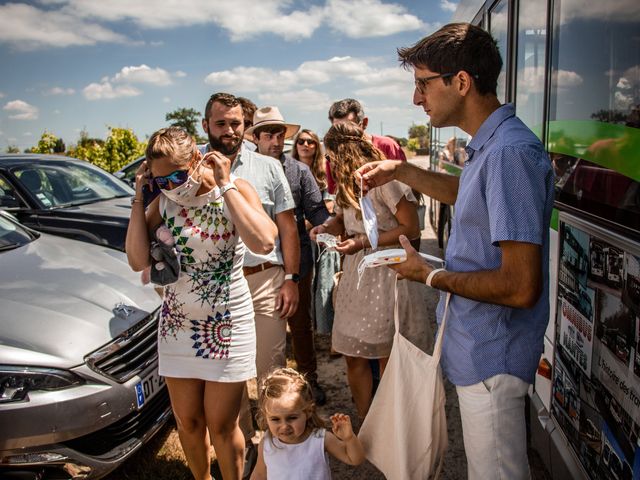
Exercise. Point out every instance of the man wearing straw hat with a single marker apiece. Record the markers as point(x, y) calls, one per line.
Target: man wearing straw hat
point(269, 132)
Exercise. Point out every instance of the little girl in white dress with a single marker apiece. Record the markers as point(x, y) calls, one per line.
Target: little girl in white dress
point(296, 444)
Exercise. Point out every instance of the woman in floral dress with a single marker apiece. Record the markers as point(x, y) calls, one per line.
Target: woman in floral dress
point(206, 335)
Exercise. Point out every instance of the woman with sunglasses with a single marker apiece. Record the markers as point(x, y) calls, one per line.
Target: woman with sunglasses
point(307, 149)
point(363, 325)
point(206, 334)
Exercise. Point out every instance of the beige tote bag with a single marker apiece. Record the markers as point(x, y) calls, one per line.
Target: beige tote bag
point(405, 432)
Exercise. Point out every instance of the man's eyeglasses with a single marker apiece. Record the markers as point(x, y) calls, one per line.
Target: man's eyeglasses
point(307, 141)
point(176, 178)
point(421, 83)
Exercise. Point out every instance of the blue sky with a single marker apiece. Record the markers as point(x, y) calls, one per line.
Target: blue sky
point(69, 65)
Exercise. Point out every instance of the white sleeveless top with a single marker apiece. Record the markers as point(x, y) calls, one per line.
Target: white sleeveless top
point(302, 461)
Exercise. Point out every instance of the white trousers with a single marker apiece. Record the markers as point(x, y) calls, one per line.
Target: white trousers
point(494, 429)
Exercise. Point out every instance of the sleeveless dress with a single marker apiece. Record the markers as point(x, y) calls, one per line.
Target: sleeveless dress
point(301, 461)
point(363, 323)
point(206, 328)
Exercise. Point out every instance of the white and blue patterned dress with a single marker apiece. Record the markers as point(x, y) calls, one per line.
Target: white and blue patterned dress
point(206, 327)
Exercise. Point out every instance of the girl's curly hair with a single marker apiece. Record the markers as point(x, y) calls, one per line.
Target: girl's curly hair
point(280, 382)
point(348, 149)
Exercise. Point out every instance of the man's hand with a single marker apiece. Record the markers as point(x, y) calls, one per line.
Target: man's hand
point(415, 267)
point(374, 174)
point(287, 301)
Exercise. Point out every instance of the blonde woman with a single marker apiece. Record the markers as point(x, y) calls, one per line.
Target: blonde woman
point(206, 335)
point(363, 323)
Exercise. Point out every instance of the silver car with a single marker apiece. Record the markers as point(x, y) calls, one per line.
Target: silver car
point(79, 388)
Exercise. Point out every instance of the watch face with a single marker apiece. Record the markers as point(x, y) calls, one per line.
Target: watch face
point(295, 277)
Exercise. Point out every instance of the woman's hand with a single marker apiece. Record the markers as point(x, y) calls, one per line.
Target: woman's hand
point(143, 177)
point(221, 167)
point(351, 245)
point(316, 230)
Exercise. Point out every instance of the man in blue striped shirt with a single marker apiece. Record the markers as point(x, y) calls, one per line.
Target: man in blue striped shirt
point(498, 253)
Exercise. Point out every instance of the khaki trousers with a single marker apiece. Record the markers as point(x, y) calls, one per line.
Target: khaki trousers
point(271, 333)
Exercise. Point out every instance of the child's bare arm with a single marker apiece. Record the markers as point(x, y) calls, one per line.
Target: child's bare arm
point(343, 443)
point(260, 470)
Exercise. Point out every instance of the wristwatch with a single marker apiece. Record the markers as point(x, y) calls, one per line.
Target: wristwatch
point(294, 277)
point(229, 186)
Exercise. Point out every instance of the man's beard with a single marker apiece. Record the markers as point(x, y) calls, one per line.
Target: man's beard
point(218, 145)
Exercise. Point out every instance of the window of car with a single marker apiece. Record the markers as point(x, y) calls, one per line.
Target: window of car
point(8, 197)
point(69, 184)
point(12, 235)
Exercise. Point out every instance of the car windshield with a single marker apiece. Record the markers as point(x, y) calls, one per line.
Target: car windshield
point(67, 183)
point(12, 235)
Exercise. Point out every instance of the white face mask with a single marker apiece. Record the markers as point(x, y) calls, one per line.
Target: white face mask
point(369, 219)
point(182, 194)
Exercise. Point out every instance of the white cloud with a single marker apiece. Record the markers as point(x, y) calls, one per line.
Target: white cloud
point(21, 110)
point(369, 18)
point(59, 91)
point(27, 134)
point(448, 6)
point(299, 100)
point(122, 83)
point(106, 91)
point(73, 22)
point(242, 19)
point(315, 72)
point(143, 74)
point(179, 74)
point(26, 27)
point(567, 79)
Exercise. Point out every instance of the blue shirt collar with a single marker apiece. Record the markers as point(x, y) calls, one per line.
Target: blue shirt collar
point(488, 128)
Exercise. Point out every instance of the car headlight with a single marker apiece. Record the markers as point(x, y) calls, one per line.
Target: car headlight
point(17, 381)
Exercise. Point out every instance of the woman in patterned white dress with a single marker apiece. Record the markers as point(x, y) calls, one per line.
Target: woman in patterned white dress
point(206, 335)
point(363, 322)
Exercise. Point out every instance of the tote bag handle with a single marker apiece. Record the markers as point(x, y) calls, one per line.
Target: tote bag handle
point(437, 349)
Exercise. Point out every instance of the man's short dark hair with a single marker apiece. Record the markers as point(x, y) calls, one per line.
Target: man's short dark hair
point(272, 129)
point(248, 109)
point(226, 99)
point(456, 47)
point(342, 108)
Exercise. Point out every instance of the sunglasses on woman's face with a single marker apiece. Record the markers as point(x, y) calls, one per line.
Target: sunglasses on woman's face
point(176, 178)
point(305, 141)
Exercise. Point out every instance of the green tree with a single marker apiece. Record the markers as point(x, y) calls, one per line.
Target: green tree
point(87, 148)
point(46, 144)
point(420, 132)
point(59, 146)
point(121, 147)
point(187, 118)
point(13, 149)
point(413, 144)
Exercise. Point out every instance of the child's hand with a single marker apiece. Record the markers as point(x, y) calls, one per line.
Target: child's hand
point(341, 426)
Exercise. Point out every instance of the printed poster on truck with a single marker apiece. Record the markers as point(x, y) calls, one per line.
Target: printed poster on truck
point(576, 335)
point(596, 381)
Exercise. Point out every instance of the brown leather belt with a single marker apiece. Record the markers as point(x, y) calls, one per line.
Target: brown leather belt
point(258, 268)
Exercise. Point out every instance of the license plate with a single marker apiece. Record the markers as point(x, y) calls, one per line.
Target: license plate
point(148, 387)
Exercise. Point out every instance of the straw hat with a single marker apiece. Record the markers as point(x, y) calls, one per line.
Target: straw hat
point(271, 116)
